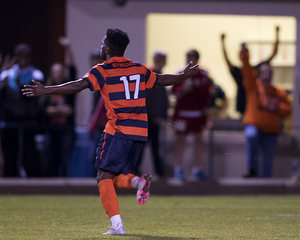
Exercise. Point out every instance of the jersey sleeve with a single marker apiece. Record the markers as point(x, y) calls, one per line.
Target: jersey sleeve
point(95, 78)
point(150, 78)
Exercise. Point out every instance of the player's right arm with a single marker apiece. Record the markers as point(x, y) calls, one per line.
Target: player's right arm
point(229, 64)
point(66, 88)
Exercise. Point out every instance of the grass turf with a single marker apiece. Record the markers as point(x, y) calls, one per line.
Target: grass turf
point(214, 217)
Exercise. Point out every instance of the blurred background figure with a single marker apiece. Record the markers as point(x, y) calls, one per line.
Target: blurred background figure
point(59, 112)
point(98, 119)
point(19, 116)
point(95, 128)
point(236, 72)
point(5, 64)
point(95, 58)
point(218, 102)
point(266, 107)
point(190, 116)
point(87, 138)
point(157, 104)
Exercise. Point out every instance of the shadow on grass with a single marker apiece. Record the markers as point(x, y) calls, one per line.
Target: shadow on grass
point(140, 236)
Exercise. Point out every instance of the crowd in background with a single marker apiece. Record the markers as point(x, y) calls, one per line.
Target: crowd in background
point(38, 137)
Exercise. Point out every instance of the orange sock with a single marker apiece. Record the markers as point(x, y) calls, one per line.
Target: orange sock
point(108, 197)
point(123, 181)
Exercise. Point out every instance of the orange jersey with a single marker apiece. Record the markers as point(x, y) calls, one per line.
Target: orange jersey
point(258, 99)
point(122, 84)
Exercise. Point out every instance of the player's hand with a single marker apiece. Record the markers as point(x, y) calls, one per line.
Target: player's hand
point(190, 70)
point(34, 90)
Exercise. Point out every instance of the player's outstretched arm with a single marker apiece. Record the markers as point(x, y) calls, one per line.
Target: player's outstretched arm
point(171, 79)
point(66, 88)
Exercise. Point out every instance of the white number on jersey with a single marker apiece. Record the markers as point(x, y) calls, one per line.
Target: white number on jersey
point(135, 78)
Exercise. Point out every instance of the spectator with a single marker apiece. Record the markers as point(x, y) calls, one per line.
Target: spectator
point(98, 118)
point(19, 115)
point(96, 126)
point(266, 107)
point(95, 58)
point(157, 104)
point(7, 64)
point(59, 111)
point(190, 116)
point(217, 102)
point(237, 72)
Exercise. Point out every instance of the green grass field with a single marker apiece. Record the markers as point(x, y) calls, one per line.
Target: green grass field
point(215, 217)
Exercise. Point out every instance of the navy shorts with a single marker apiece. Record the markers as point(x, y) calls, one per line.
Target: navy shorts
point(117, 154)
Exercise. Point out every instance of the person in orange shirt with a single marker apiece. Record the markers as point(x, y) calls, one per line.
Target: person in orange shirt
point(266, 107)
point(122, 84)
point(236, 72)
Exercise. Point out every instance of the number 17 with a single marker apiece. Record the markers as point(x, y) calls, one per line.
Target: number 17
point(135, 78)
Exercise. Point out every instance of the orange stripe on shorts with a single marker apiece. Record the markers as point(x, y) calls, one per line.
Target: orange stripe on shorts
point(102, 146)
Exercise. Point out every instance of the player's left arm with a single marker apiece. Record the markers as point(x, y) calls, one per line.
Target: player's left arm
point(171, 79)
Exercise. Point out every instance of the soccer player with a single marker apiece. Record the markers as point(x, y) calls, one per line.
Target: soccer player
point(190, 117)
point(122, 84)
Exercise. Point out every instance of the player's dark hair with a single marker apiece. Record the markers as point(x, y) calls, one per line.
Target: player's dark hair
point(194, 53)
point(117, 41)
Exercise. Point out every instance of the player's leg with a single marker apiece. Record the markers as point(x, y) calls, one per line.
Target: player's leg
point(153, 138)
point(125, 181)
point(196, 126)
point(252, 146)
point(180, 147)
point(109, 200)
point(142, 184)
point(269, 143)
point(181, 129)
point(198, 173)
point(109, 164)
point(130, 181)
